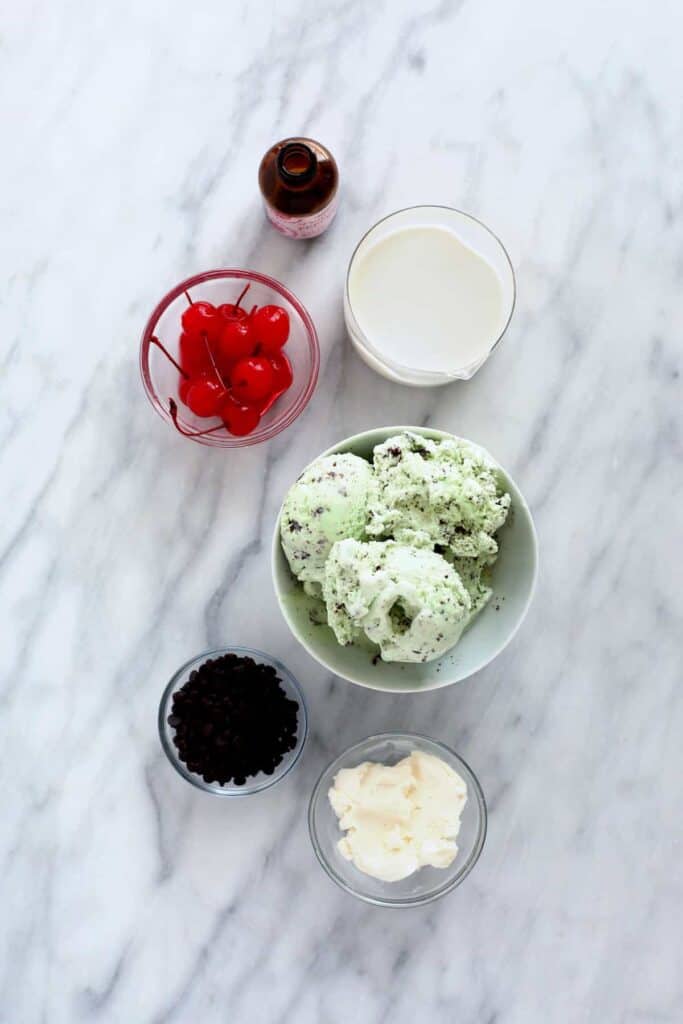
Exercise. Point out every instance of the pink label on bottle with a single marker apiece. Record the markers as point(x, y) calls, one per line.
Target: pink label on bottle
point(303, 227)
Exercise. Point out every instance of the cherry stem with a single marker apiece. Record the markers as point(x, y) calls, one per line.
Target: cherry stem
point(242, 294)
point(213, 361)
point(173, 409)
point(187, 296)
point(155, 341)
point(252, 311)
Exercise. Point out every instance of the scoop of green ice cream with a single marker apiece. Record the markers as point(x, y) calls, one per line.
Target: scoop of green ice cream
point(428, 493)
point(327, 503)
point(475, 575)
point(409, 601)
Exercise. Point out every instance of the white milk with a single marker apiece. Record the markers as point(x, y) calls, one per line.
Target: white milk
point(425, 300)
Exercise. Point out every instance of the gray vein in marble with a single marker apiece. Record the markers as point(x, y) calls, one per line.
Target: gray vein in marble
point(129, 896)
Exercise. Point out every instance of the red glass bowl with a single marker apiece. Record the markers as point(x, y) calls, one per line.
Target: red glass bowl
point(161, 379)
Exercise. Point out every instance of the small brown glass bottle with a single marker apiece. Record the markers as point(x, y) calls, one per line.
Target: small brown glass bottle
point(299, 181)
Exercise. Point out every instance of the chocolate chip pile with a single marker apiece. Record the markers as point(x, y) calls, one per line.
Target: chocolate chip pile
point(232, 719)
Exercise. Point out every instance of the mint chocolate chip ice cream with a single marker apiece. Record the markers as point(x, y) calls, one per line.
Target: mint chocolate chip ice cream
point(399, 548)
point(475, 574)
point(409, 601)
point(430, 493)
point(327, 503)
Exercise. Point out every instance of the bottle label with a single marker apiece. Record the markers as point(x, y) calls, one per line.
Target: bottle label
point(310, 226)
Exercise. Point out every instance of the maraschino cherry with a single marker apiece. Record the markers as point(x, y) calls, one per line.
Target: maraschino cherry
point(240, 419)
point(252, 379)
point(271, 326)
point(194, 354)
point(201, 318)
point(205, 397)
point(282, 372)
point(236, 341)
point(234, 310)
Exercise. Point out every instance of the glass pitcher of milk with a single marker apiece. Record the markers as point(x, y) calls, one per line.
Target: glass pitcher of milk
point(429, 294)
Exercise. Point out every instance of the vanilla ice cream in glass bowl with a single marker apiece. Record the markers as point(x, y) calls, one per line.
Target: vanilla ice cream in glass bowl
point(404, 559)
point(449, 833)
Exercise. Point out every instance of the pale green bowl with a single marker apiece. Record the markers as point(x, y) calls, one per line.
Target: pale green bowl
point(514, 580)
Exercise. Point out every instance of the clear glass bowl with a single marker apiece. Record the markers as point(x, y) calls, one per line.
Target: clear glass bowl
point(473, 233)
point(160, 378)
point(428, 883)
point(255, 783)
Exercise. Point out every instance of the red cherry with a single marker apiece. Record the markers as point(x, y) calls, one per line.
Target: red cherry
point(224, 368)
point(233, 310)
point(283, 377)
point(205, 397)
point(194, 355)
point(282, 371)
point(202, 318)
point(271, 326)
point(184, 386)
point(239, 419)
point(228, 311)
point(236, 341)
point(252, 379)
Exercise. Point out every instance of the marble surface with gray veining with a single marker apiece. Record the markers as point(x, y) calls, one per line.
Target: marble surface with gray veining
point(131, 137)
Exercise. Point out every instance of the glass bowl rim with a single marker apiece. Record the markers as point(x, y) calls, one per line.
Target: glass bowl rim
point(401, 368)
point(229, 273)
point(167, 745)
point(416, 901)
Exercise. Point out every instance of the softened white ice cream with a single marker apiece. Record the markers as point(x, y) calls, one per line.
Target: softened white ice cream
point(399, 818)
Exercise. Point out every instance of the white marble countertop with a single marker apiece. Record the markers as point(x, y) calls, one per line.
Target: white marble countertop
point(132, 135)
